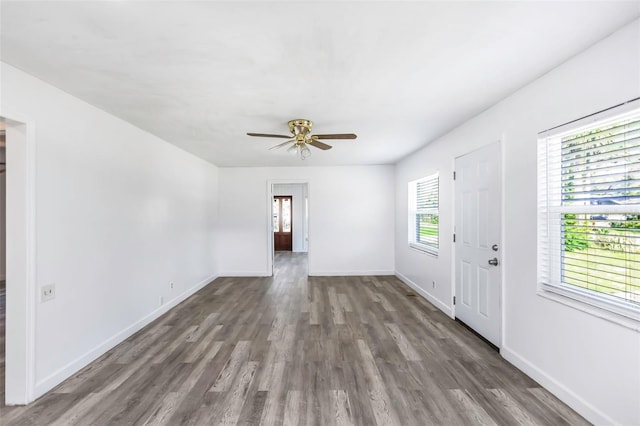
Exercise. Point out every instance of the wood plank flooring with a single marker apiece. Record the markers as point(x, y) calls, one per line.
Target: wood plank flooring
point(298, 350)
point(3, 310)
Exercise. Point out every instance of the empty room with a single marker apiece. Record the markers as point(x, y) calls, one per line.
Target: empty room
point(319, 213)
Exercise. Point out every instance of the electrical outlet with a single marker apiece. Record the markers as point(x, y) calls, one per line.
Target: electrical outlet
point(433, 284)
point(171, 285)
point(47, 292)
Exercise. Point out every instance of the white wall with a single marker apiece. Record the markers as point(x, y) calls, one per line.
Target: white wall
point(119, 214)
point(350, 219)
point(591, 363)
point(298, 193)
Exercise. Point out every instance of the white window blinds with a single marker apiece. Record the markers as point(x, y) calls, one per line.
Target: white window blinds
point(589, 210)
point(423, 213)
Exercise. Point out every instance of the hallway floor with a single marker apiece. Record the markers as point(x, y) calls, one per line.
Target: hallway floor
point(3, 315)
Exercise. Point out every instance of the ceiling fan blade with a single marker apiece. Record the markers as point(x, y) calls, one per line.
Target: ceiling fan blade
point(282, 144)
point(318, 144)
point(336, 136)
point(269, 135)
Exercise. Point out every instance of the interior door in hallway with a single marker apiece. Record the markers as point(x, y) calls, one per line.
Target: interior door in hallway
point(477, 244)
point(282, 223)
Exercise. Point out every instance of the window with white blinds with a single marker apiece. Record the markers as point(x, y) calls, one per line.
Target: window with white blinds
point(423, 214)
point(589, 210)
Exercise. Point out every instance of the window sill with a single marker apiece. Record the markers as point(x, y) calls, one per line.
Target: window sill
point(591, 306)
point(424, 249)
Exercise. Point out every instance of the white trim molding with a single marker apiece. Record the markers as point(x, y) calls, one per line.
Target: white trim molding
point(563, 393)
point(436, 302)
point(348, 273)
point(248, 274)
point(21, 259)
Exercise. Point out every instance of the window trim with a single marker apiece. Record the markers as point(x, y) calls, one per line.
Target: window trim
point(424, 248)
point(594, 303)
point(413, 211)
point(589, 305)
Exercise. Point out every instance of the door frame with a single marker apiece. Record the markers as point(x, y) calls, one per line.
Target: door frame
point(503, 261)
point(269, 215)
point(21, 301)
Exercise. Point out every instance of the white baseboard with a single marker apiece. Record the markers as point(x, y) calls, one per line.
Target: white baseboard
point(437, 302)
point(311, 273)
point(244, 274)
point(348, 273)
point(566, 395)
point(74, 366)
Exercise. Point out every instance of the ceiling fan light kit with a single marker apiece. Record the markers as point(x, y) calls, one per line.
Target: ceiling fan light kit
point(300, 150)
point(301, 138)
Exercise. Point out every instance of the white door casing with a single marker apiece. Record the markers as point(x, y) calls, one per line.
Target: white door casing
point(20, 386)
point(478, 207)
point(270, 193)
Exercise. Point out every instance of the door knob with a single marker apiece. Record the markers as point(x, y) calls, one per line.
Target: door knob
point(493, 261)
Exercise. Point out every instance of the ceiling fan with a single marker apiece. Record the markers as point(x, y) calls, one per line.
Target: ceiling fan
point(301, 137)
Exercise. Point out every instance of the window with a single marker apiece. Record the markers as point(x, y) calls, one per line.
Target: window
point(423, 214)
point(589, 210)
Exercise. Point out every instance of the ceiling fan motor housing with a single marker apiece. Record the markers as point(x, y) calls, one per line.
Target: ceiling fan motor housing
point(300, 127)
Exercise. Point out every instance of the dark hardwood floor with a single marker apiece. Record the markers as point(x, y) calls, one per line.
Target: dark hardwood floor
point(299, 350)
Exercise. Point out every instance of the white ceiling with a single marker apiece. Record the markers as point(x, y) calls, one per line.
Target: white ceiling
point(202, 74)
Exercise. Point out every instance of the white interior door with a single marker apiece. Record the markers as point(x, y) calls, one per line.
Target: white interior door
point(477, 247)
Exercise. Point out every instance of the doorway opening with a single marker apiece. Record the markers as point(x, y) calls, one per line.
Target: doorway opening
point(282, 226)
point(18, 258)
point(289, 226)
point(3, 227)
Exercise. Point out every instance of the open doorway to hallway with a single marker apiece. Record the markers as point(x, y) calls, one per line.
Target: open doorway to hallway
point(3, 292)
point(17, 225)
point(289, 226)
